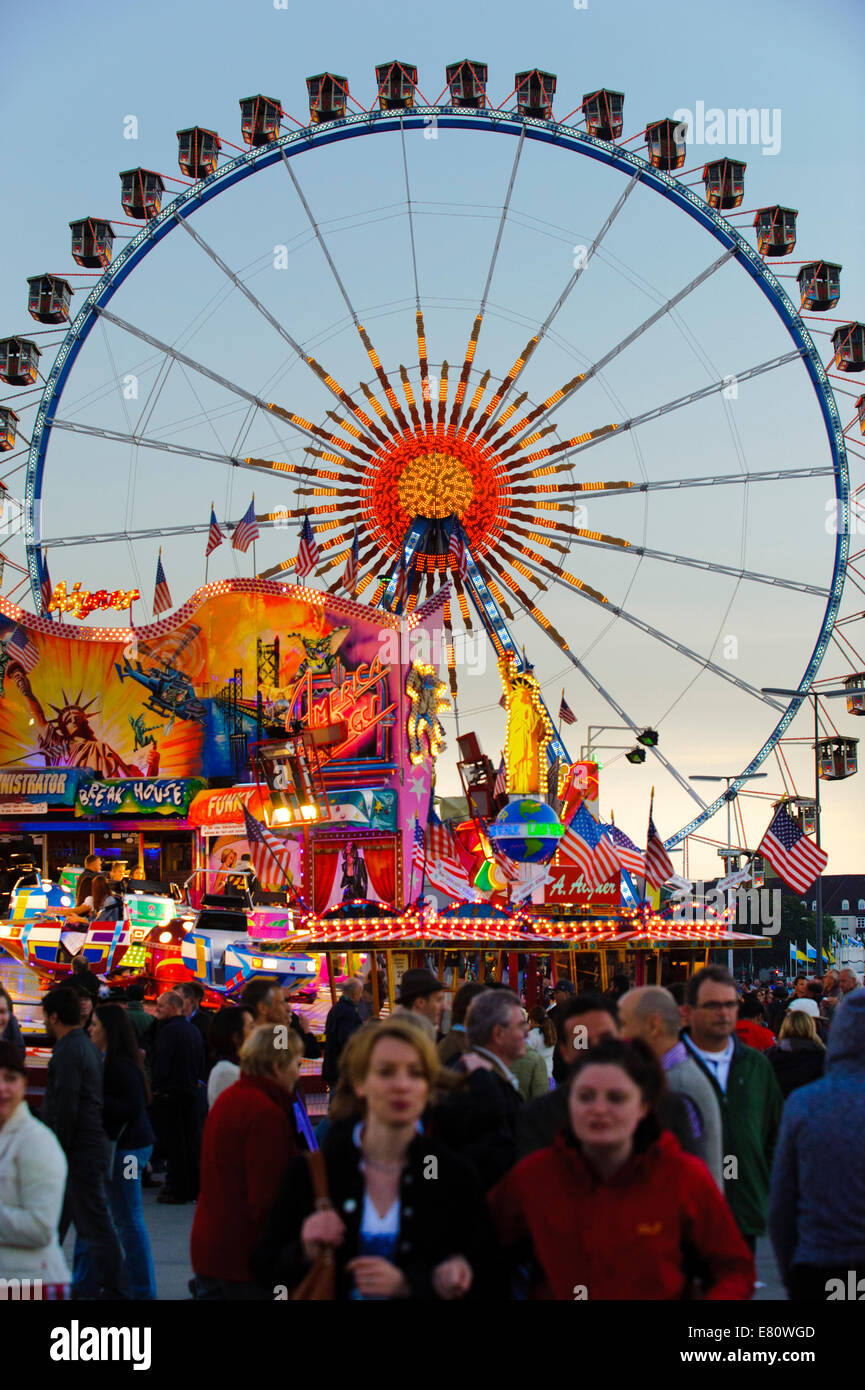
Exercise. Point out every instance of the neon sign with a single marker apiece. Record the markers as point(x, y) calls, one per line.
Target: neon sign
point(358, 702)
point(79, 602)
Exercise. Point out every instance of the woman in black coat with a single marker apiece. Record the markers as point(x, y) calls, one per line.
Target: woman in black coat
point(408, 1218)
point(126, 1095)
point(799, 1056)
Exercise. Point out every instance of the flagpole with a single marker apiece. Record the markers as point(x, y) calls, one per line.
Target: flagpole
point(648, 831)
point(207, 550)
point(254, 566)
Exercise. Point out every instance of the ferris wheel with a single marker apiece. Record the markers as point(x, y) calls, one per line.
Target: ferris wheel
point(434, 332)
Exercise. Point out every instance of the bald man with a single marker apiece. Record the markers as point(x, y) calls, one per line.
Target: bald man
point(652, 1015)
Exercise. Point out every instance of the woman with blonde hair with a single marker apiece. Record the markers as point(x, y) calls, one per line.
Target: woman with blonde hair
point(249, 1136)
point(799, 1056)
point(407, 1216)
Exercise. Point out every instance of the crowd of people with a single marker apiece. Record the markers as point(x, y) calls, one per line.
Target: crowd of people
point(633, 1144)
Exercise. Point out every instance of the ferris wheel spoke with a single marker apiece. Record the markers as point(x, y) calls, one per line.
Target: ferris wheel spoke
point(120, 437)
point(478, 323)
point(539, 620)
point(410, 214)
point(274, 520)
point(540, 414)
point(669, 557)
point(690, 399)
point(305, 427)
point(371, 353)
point(546, 570)
point(772, 475)
point(488, 421)
point(319, 237)
point(319, 371)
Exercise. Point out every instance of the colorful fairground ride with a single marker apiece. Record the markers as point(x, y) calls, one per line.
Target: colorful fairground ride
point(155, 937)
point(470, 472)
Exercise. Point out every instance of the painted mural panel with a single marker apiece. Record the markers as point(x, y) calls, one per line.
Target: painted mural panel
point(176, 699)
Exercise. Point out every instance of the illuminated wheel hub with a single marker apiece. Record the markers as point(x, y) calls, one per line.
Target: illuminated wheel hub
point(434, 486)
point(422, 475)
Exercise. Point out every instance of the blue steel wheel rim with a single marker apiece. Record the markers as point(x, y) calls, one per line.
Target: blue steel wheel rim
point(549, 132)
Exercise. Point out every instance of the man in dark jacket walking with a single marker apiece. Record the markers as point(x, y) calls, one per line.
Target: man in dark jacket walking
point(749, 1096)
point(341, 1022)
point(192, 994)
point(72, 1108)
point(480, 1121)
point(817, 1207)
point(179, 1098)
point(588, 1019)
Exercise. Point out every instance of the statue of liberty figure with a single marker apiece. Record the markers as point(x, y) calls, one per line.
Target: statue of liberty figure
point(528, 730)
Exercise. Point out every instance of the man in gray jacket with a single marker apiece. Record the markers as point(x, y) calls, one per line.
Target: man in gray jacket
point(72, 1108)
point(652, 1015)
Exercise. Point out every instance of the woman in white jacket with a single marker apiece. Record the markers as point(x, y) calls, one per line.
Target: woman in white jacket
point(32, 1184)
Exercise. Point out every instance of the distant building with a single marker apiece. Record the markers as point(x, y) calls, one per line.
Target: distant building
point(843, 900)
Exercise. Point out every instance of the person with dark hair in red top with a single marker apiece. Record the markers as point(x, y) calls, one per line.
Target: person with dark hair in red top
point(751, 1026)
point(249, 1136)
point(615, 1209)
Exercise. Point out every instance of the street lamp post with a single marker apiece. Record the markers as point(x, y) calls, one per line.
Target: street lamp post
point(816, 696)
point(722, 777)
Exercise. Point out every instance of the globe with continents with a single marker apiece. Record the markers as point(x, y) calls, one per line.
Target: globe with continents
point(526, 830)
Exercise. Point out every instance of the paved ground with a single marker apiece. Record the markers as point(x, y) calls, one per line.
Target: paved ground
point(169, 1229)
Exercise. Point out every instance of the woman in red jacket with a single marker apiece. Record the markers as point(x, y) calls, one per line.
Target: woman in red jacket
point(615, 1209)
point(249, 1136)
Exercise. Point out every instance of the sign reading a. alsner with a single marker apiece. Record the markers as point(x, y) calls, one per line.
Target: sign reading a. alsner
point(138, 796)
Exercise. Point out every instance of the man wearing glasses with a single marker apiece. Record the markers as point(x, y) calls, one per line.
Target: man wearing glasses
point(748, 1094)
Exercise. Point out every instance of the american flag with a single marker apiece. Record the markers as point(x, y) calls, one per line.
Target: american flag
point(349, 574)
point(629, 857)
point(566, 714)
point(246, 530)
point(46, 590)
point(501, 784)
point(659, 865)
point(418, 852)
point(267, 851)
point(505, 865)
point(401, 591)
point(215, 536)
point(444, 868)
point(161, 594)
point(19, 648)
point(307, 551)
point(585, 844)
point(457, 553)
point(792, 855)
